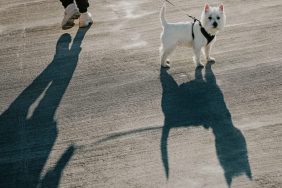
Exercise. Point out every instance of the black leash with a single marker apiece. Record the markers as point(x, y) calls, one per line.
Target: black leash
point(208, 36)
point(194, 18)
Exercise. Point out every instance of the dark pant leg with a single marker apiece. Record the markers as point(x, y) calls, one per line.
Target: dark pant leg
point(65, 3)
point(82, 5)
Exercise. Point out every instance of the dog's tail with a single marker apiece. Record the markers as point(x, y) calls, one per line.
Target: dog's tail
point(163, 21)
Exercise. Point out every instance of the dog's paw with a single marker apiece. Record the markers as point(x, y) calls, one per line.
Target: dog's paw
point(166, 65)
point(210, 59)
point(197, 62)
point(199, 65)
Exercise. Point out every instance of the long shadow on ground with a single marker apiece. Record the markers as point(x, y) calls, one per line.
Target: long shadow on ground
point(200, 102)
point(26, 139)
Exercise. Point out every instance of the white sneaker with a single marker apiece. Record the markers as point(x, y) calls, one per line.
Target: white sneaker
point(71, 13)
point(85, 19)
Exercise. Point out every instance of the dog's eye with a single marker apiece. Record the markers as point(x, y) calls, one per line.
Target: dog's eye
point(218, 18)
point(209, 17)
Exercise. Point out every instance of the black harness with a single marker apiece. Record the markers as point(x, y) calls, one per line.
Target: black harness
point(208, 36)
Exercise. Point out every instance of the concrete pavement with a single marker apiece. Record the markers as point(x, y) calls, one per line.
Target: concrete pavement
point(92, 107)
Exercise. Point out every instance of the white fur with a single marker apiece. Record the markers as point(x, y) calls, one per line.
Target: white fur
point(175, 34)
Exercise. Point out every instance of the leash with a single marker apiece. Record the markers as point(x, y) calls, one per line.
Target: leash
point(181, 10)
point(208, 36)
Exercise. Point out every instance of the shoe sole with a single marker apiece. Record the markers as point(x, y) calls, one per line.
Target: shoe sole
point(70, 22)
point(89, 23)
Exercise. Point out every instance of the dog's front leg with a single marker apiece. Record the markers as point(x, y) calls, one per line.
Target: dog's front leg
point(197, 56)
point(207, 53)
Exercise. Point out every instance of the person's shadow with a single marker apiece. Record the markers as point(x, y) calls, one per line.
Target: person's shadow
point(200, 102)
point(28, 133)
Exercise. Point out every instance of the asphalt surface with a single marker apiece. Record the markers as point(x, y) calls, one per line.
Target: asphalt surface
point(92, 107)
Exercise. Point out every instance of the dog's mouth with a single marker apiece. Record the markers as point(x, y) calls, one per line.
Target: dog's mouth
point(213, 27)
point(213, 30)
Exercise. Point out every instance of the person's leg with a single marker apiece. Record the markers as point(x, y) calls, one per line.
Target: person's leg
point(71, 13)
point(85, 17)
point(66, 3)
point(82, 5)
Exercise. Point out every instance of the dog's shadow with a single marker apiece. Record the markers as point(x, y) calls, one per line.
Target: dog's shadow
point(200, 102)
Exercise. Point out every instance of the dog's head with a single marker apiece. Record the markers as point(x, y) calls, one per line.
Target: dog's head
point(213, 18)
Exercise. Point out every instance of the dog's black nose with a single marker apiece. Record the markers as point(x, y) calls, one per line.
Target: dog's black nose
point(214, 24)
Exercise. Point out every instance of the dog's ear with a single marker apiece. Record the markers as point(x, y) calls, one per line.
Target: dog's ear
point(221, 8)
point(207, 7)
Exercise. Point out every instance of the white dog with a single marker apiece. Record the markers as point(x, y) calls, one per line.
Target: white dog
point(192, 34)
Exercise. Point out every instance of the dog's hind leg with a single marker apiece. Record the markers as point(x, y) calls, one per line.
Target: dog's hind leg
point(165, 52)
